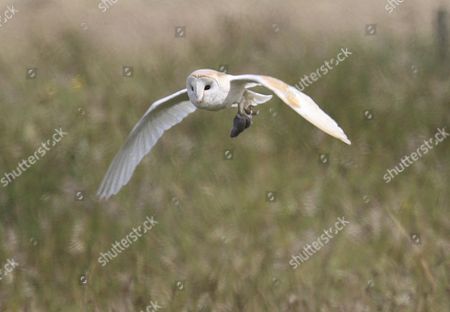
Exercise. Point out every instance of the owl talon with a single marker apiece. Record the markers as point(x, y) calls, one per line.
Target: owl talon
point(249, 110)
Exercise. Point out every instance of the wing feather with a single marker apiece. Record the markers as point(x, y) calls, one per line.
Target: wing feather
point(161, 116)
point(300, 102)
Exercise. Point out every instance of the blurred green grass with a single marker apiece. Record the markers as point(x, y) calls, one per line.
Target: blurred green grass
point(216, 232)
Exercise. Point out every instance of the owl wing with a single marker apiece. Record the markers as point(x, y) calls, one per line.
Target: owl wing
point(162, 115)
point(298, 101)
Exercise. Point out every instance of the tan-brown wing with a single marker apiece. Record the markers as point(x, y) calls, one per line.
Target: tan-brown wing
point(298, 101)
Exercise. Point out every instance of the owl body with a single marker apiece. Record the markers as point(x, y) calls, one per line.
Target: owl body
point(210, 90)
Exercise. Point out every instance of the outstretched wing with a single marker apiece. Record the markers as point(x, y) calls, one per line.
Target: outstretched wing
point(299, 102)
point(162, 115)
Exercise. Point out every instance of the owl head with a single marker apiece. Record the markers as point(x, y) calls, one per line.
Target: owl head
point(207, 88)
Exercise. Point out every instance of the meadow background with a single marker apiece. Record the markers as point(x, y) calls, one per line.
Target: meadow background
point(220, 244)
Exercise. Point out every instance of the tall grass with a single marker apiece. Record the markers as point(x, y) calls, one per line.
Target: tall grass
point(217, 235)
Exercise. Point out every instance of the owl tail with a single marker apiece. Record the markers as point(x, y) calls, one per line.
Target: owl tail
point(253, 98)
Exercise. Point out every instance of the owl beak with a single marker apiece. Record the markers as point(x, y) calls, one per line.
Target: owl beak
point(199, 92)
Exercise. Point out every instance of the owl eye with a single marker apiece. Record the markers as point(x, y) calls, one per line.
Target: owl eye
point(192, 88)
point(207, 87)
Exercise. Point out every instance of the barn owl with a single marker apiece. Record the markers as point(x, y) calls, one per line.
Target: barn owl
point(209, 90)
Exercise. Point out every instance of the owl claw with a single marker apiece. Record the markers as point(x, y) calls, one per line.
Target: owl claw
point(251, 111)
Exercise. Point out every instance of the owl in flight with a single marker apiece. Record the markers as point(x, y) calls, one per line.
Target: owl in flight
point(213, 91)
